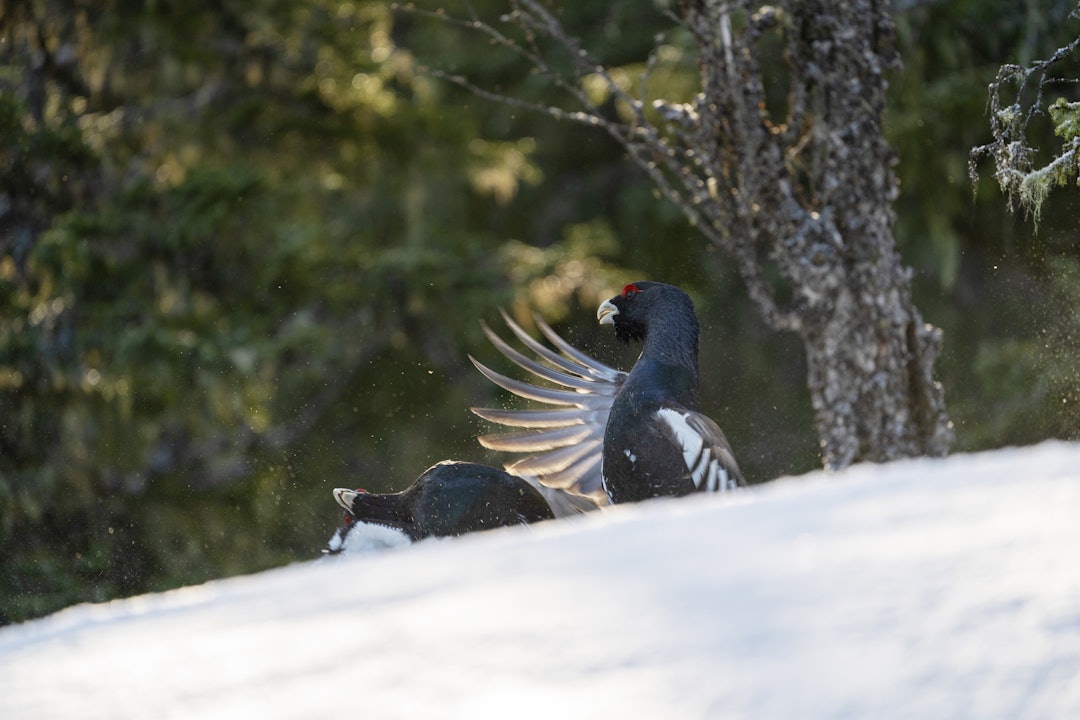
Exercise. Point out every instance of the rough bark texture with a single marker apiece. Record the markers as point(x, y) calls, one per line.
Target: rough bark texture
point(808, 191)
point(815, 191)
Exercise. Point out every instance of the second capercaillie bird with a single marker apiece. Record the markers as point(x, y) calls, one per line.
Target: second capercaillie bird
point(448, 499)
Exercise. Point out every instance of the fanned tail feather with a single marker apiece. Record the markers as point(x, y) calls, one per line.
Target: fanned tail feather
point(531, 418)
point(536, 440)
point(558, 472)
point(572, 361)
point(556, 461)
point(567, 442)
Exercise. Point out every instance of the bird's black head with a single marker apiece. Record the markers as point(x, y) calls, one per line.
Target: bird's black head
point(389, 509)
point(348, 499)
point(631, 311)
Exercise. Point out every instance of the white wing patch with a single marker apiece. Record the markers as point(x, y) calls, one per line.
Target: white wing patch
point(702, 460)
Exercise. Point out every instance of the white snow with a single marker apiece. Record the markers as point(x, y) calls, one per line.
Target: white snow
point(360, 537)
point(919, 589)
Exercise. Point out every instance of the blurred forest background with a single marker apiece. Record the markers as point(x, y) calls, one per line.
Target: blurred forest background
point(245, 246)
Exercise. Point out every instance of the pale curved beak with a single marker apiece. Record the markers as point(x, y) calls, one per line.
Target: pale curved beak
point(606, 313)
point(345, 497)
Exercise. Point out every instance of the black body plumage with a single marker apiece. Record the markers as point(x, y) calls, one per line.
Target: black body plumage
point(450, 498)
point(656, 441)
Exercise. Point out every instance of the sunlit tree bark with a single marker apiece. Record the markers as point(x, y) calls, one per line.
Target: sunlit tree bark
point(805, 193)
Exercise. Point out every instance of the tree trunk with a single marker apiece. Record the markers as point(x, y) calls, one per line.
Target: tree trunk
point(814, 193)
point(809, 192)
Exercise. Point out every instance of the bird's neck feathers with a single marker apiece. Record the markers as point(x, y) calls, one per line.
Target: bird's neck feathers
point(672, 337)
point(389, 510)
point(667, 370)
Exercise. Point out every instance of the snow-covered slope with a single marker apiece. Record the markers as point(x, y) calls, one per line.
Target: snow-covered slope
point(920, 589)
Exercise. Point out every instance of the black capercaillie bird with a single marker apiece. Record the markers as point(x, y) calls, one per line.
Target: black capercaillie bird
point(657, 441)
point(619, 437)
point(449, 498)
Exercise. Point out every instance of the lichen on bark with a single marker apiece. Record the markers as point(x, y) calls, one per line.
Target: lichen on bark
point(1015, 170)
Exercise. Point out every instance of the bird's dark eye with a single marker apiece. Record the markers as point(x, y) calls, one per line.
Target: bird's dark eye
point(630, 290)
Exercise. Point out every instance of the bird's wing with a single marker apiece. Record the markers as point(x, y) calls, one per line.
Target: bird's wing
point(566, 443)
point(565, 503)
point(708, 456)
